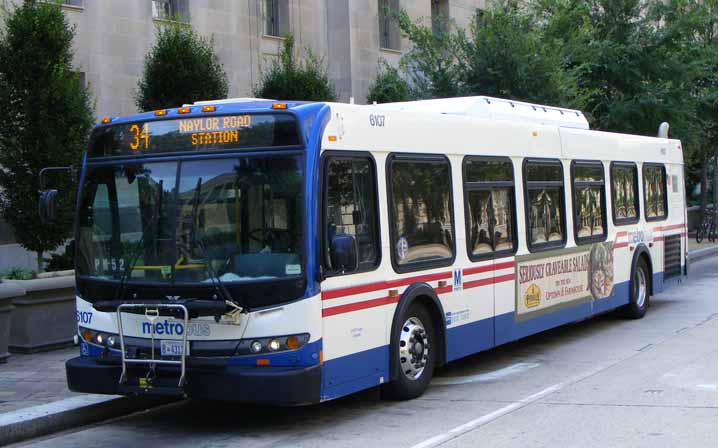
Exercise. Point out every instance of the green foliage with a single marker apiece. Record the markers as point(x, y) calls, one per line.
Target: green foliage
point(181, 67)
point(501, 54)
point(46, 120)
point(16, 273)
point(289, 79)
point(388, 87)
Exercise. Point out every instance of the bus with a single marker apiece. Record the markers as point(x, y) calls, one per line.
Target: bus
point(288, 253)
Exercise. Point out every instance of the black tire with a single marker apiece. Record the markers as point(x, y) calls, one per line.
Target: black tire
point(638, 301)
point(699, 235)
point(403, 387)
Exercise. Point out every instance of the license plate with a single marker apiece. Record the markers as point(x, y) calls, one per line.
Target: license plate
point(172, 348)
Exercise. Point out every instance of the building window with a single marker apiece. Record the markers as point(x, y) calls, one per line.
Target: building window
point(389, 37)
point(439, 16)
point(654, 191)
point(276, 18)
point(589, 202)
point(489, 186)
point(420, 212)
point(624, 193)
point(176, 10)
point(351, 206)
point(77, 3)
point(544, 203)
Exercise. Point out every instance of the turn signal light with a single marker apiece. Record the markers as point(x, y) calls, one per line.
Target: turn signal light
point(161, 113)
point(87, 335)
point(263, 362)
point(105, 120)
point(332, 138)
point(279, 106)
point(208, 108)
point(183, 110)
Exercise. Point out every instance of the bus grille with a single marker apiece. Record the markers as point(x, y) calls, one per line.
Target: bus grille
point(672, 256)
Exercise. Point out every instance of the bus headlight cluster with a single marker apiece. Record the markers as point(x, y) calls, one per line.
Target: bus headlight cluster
point(99, 338)
point(272, 344)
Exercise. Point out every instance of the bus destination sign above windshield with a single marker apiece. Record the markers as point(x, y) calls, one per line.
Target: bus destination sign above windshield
point(195, 134)
point(213, 130)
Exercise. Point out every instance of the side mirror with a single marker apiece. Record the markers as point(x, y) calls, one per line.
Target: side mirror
point(343, 253)
point(48, 206)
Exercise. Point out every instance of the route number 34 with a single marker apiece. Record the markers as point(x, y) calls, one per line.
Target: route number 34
point(376, 120)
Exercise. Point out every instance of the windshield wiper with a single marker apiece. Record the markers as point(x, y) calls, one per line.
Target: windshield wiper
point(132, 261)
point(199, 242)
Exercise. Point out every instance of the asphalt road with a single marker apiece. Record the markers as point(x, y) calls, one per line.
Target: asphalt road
point(603, 382)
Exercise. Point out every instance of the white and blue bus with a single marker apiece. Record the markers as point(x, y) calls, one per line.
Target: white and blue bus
point(290, 253)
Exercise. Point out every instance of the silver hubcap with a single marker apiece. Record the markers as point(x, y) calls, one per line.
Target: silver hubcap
point(413, 348)
point(640, 287)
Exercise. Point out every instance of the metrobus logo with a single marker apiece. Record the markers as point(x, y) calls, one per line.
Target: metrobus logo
point(172, 328)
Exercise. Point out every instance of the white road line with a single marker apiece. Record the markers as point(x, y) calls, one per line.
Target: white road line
point(476, 423)
point(473, 424)
point(485, 377)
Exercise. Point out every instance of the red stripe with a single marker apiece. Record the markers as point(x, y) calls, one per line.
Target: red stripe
point(489, 281)
point(671, 227)
point(444, 290)
point(370, 287)
point(620, 245)
point(341, 309)
point(489, 267)
point(658, 238)
point(621, 234)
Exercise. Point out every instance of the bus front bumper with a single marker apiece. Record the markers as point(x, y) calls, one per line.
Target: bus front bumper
point(280, 386)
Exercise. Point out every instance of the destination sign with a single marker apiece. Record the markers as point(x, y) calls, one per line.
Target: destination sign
point(195, 134)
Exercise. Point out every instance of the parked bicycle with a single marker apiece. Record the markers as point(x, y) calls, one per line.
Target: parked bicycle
point(707, 227)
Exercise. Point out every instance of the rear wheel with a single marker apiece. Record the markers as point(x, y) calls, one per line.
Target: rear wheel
point(639, 294)
point(414, 352)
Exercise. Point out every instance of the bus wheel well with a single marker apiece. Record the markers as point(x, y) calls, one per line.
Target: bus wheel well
point(437, 317)
point(647, 259)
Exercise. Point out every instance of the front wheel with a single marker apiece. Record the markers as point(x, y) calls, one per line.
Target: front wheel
point(414, 351)
point(640, 292)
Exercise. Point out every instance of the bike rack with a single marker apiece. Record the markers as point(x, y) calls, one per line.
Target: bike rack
point(151, 313)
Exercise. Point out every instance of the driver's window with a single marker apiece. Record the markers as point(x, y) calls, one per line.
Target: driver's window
point(351, 204)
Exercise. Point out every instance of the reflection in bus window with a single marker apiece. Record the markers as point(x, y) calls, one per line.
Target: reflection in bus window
point(624, 192)
point(489, 193)
point(351, 205)
point(589, 201)
point(654, 191)
point(544, 184)
point(422, 227)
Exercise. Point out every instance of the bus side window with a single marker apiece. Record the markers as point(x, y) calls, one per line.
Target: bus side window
point(654, 191)
point(489, 186)
point(624, 192)
point(420, 207)
point(351, 206)
point(544, 203)
point(589, 201)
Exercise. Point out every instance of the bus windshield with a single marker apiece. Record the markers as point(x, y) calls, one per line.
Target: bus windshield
point(236, 218)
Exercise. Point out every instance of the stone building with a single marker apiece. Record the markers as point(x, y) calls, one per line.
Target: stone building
point(351, 36)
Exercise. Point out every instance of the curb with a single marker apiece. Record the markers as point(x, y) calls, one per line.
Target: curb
point(23, 424)
point(700, 254)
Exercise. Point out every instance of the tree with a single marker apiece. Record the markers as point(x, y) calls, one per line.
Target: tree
point(180, 68)
point(289, 79)
point(46, 120)
point(388, 86)
point(502, 54)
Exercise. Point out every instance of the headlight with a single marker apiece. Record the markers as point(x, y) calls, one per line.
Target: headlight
point(98, 338)
point(272, 344)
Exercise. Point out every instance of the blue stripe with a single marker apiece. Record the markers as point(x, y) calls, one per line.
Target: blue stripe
point(355, 372)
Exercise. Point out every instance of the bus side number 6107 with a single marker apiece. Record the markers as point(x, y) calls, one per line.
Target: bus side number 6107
point(376, 120)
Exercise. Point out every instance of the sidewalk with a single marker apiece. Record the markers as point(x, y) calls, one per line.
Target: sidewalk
point(31, 380)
